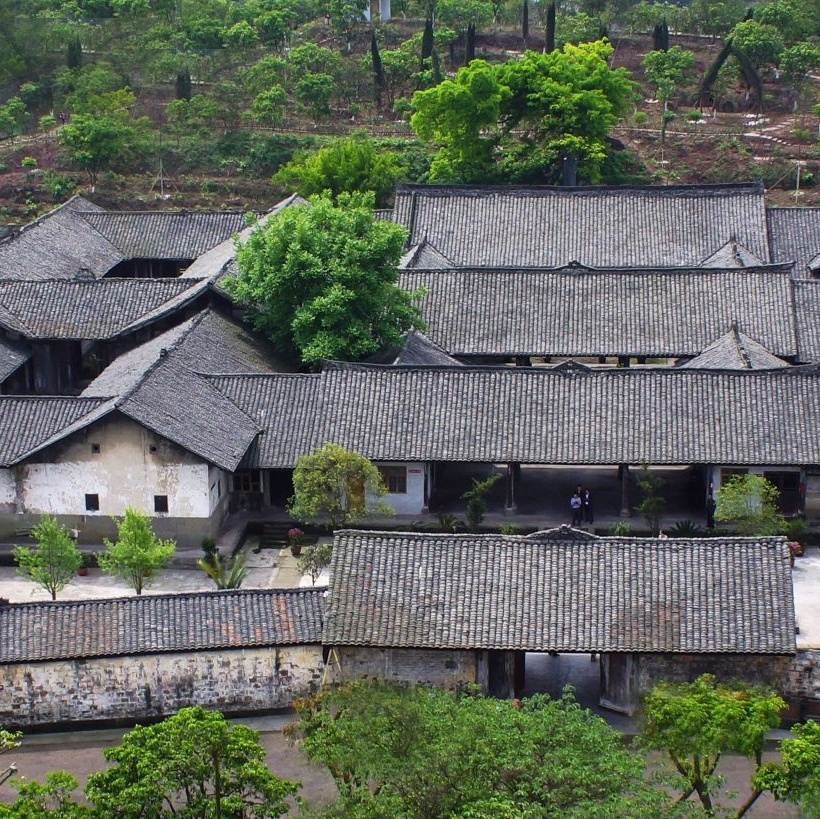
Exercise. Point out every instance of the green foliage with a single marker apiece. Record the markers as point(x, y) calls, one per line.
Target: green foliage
point(268, 106)
point(668, 71)
point(516, 120)
point(313, 93)
point(193, 764)
point(55, 560)
point(695, 723)
point(313, 560)
point(476, 497)
point(620, 528)
point(796, 778)
point(13, 116)
point(510, 529)
point(95, 143)
point(459, 14)
point(137, 554)
point(749, 502)
point(321, 280)
point(416, 752)
point(335, 486)
point(347, 165)
point(653, 503)
point(447, 522)
point(51, 799)
point(227, 572)
point(797, 62)
point(685, 529)
point(9, 740)
point(760, 42)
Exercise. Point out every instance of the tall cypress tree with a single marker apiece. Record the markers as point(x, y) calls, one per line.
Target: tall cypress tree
point(183, 84)
point(74, 53)
point(525, 21)
point(469, 45)
point(378, 70)
point(550, 41)
point(427, 41)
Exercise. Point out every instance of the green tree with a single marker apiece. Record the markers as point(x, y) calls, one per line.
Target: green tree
point(51, 799)
point(335, 486)
point(796, 777)
point(321, 280)
point(9, 740)
point(667, 71)
point(95, 143)
point(653, 503)
point(314, 559)
point(313, 93)
point(796, 63)
point(268, 106)
point(416, 752)
point(476, 497)
point(137, 554)
point(517, 120)
point(760, 42)
point(345, 166)
point(749, 502)
point(13, 117)
point(55, 560)
point(696, 723)
point(193, 764)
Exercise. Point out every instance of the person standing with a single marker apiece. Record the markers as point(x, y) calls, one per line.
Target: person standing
point(575, 504)
point(586, 505)
point(710, 512)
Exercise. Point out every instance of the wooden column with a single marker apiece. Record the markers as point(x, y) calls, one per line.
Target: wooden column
point(626, 508)
point(512, 478)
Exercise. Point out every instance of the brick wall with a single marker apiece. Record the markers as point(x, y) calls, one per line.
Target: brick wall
point(447, 669)
point(126, 688)
point(765, 670)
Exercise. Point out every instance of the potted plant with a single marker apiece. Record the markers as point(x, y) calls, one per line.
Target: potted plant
point(296, 537)
point(82, 569)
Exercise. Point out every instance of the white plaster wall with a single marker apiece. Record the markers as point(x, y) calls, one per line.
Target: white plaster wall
point(8, 493)
point(411, 502)
point(132, 466)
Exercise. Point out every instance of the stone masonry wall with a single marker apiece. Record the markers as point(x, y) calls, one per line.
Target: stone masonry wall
point(765, 670)
point(447, 669)
point(129, 688)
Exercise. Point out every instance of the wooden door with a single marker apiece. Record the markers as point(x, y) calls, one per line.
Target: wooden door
point(619, 682)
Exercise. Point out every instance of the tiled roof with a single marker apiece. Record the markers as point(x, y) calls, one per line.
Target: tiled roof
point(13, 354)
point(569, 414)
point(515, 593)
point(794, 236)
point(165, 234)
point(424, 256)
point(151, 624)
point(807, 317)
point(214, 263)
point(732, 254)
point(26, 423)
point(582, 312)
point(675, 226)
point(161, 385)
point(285, 406)
point(58, 245)
point(735, 351)
point(95, 309)
point(418, 350)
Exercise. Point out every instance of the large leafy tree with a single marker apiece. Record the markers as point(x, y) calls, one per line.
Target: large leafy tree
point(696, 723)
point(321, 280)
point(417, 752)
point(335, 486)
point(749, 502)
point(667, 71)
point(55, 560)
point(193, 764)
point(518, 120)
point(796, 777)
point(347, 165)
point(137, 554)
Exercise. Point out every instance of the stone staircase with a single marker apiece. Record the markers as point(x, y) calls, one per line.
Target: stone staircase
point(274, 535)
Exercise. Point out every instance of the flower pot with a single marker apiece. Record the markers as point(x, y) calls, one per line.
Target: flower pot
point(82, 571)
point(296, 549)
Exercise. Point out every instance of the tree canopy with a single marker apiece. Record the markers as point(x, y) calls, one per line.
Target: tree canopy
point(695, 723)
point(416, 752)
point(55, 560)
point(321, 280)
point(137, 554)
point(334, 485)
point(517, 120)
point(193, 764)
point(749, 502)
